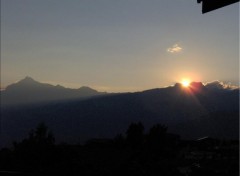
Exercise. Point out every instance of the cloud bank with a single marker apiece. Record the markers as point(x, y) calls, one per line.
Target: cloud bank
point(174, 49)
point(218, 85)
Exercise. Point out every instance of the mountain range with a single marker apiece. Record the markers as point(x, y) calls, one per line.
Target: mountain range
point(192, 112)
point(29, 91)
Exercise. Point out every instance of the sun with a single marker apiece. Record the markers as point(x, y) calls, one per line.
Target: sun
point(185, 83)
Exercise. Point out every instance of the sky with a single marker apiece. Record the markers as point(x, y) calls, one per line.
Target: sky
point(118, 45)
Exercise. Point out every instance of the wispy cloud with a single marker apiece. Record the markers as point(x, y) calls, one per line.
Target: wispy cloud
point(174, 49)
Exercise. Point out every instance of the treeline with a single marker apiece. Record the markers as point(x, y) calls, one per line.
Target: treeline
point(156, 152)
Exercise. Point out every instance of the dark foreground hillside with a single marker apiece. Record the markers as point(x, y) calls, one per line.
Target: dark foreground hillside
point(155, 152)
point(192, 112)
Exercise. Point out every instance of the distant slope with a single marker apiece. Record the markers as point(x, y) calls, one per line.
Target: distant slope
point(192, 112)
point(28, 91)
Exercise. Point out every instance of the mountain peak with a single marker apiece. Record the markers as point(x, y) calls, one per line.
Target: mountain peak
point(24, 83)
point(87, 89)
point(28, 91)
point(27, 79)
point(198, 85)
point(193, 86)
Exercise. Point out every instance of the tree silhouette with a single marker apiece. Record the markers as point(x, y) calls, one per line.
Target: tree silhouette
point(119, 141)
point(35, 152)
point(157, 136)
point(42, 135)
point(156, 153)
point(135, 136)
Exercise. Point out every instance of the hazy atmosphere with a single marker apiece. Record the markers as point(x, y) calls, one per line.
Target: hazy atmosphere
point(117, 46)
point(119, 87)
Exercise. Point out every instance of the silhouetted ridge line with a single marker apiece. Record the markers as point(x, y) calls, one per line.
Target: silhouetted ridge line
point(28, 91)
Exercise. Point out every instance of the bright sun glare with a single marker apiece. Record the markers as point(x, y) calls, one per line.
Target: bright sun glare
point(185, 83)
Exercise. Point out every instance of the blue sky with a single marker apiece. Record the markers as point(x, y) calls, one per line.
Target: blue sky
point(124, 45)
